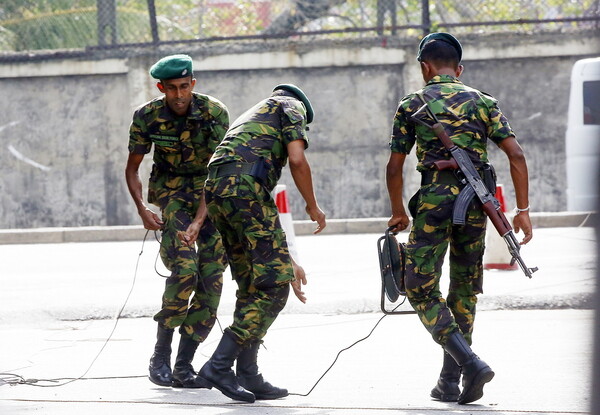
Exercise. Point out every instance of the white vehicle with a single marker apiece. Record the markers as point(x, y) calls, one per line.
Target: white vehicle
point(583, 136)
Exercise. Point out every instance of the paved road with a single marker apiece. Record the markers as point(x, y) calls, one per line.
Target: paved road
point(91, 280)
point(541, 359)
point(57, 303)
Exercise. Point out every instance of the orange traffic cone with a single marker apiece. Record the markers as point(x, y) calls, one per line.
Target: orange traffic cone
point(285, 217)
point(496, 254)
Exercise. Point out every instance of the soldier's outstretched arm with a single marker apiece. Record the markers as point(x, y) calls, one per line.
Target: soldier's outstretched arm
point(302, 176)
point(150, 219)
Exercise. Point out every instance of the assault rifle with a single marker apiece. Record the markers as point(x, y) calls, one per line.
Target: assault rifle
point(468, 175)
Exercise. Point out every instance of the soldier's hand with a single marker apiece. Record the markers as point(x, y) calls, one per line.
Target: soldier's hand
point(150, 220)
point(190, 236)
point(522, 222)
point(399, 222)
point(299, 280)
point(317, 215)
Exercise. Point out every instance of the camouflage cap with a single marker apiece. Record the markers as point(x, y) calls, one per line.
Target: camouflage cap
point(301, 96)
point(444, 37)
point(172, 67)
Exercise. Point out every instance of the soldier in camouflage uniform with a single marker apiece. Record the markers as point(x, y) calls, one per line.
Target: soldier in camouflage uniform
point(242, 174)
point(470, 118)
point(185, 128)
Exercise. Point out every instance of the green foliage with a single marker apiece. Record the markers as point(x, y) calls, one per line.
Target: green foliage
point(7, 39)
point(203, 19)
point(364, 12)
point(454, 11)
point(65, 24)
point(71, 28)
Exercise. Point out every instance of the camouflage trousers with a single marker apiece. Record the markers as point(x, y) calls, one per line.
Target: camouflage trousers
point(193, 290)
point(431, 233)
point(247, 218)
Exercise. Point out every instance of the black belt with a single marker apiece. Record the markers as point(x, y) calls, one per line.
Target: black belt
point(176, 174)
point(230, 169)
point(439, 177)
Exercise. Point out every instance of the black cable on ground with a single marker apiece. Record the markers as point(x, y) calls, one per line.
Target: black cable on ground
point(343, 350)
point(14, 379)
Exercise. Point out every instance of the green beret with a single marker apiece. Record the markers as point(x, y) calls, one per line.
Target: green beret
point(444, 37)
point(172, 67)
point(301, 96)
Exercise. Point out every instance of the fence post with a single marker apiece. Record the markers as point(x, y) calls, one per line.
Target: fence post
point(425, 19)
point(153, 24)
point(106, 16)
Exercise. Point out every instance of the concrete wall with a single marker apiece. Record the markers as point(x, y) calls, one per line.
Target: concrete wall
point(61, 157)
point(65, 123)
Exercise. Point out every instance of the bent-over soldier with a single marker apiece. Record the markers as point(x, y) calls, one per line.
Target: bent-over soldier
point(242, 174)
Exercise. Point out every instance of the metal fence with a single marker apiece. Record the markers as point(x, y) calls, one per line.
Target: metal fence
point(42, 25)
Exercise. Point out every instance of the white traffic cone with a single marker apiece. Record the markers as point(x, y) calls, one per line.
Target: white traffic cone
point(496, 254)
point(285, 217)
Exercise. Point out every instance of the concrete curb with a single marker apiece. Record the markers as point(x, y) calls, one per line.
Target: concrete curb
point(301, 227)
point(378, 225)
point(80, 234)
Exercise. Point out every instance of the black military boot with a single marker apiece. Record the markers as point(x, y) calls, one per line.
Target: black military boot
point(184, 375)
point(249, 377)
point(447, 389)
point(218, 373)
point(475, 372)
point(160, 362)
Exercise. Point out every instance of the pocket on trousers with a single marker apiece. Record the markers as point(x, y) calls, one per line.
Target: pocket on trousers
point(413, 204)
point(271, 259)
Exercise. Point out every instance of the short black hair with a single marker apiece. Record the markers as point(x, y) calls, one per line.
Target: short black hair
point(440, 53)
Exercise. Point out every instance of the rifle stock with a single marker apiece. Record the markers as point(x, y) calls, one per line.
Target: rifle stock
point(497, 218)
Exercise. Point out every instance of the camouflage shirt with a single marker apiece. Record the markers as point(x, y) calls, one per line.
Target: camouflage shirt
point(469, 116)
point(264, 131)
point(182, 145)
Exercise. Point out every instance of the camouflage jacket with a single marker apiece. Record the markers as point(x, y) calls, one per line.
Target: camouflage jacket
point(469, 116)
point(264, 131)
point(182, 145)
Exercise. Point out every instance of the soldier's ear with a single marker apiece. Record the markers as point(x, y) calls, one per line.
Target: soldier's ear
point(426, 71)
point(459, 70)
point(160, 87)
